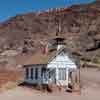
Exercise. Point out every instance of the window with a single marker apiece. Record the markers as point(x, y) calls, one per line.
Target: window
point(62, 74)
point(32, 73)
point(27, 73)
point(43, 70)
point(36, 73)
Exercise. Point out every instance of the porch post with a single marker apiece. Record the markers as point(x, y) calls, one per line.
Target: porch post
point(39, 76)
point(29, 73)
point(67, 76)
point(56, 75)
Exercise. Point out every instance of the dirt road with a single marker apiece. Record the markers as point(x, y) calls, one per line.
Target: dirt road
point(90, 79)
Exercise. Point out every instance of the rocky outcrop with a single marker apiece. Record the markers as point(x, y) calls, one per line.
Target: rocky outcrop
point(80, 25)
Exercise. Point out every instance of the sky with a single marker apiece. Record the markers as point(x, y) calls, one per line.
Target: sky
point(10, 8)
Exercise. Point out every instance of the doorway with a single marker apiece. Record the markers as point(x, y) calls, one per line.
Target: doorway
point(48, 75)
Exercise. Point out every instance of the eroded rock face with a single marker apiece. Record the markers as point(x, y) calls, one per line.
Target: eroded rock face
point(80, 26)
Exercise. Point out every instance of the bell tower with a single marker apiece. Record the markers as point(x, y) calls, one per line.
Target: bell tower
point(59, 39)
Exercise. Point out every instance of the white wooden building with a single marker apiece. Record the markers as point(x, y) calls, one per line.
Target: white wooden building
point(54, 67)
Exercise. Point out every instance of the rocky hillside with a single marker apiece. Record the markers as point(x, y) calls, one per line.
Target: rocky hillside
point(80, 25)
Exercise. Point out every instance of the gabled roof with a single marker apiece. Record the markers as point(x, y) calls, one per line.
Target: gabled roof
point(40, 58)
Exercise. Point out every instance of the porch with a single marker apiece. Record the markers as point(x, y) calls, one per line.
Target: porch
point(44, 75)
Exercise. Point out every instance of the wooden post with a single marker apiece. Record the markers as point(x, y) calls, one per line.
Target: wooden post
point(77, 84)
point(80, 79)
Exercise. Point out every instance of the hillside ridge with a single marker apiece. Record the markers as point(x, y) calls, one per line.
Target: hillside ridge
point(80, 26)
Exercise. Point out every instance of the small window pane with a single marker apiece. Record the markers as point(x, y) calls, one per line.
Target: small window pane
point(27, 73)
point(31, 73)
point(36, 73)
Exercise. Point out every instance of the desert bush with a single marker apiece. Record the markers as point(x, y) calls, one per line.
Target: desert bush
point(96, 60)
point(85, 59)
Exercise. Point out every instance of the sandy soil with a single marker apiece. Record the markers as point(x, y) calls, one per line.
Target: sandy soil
point(90, 79)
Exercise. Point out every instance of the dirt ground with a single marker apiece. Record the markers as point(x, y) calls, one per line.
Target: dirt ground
point(90, 80)
point(7, 75)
